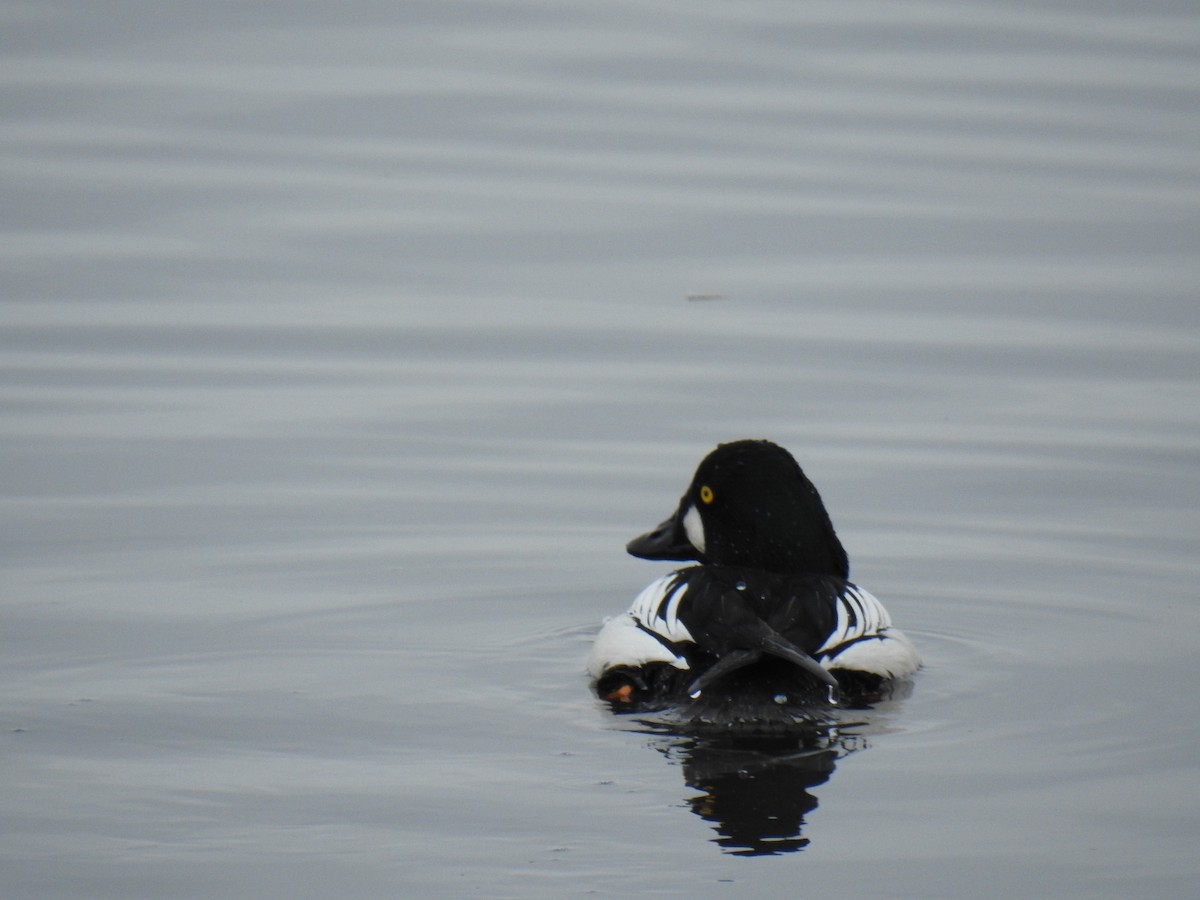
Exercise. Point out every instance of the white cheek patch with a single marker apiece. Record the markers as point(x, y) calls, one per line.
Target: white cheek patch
point(694, 528)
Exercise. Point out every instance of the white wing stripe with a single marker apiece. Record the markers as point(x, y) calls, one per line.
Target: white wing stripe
point(658, 610)
point(859, 615)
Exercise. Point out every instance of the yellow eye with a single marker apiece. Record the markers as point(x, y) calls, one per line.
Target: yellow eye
point(706, 495)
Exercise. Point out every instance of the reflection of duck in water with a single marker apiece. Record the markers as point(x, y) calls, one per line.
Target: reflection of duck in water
point(755, 789)
point(755, 785)
point(767, 624)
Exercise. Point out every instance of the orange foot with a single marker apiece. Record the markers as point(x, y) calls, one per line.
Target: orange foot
point(623, 694)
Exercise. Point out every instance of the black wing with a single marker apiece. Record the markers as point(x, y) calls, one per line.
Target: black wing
point(738, 616)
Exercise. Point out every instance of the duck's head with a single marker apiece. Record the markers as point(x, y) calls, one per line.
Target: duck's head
point(749, 504)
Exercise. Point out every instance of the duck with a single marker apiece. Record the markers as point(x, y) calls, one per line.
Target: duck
point(767, 617)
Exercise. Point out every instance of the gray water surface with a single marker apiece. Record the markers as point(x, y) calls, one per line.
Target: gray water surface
point(344, 347)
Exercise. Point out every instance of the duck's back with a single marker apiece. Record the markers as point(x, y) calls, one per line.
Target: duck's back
point(683, 623)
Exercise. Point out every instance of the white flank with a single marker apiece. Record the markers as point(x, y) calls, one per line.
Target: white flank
point(890, 655)
point(623, 640)
point(622, 643)
point(872, 644)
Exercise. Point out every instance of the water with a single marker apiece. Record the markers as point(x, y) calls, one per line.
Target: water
point(343, 350)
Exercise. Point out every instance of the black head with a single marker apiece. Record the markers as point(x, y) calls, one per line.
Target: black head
point(749, 504)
